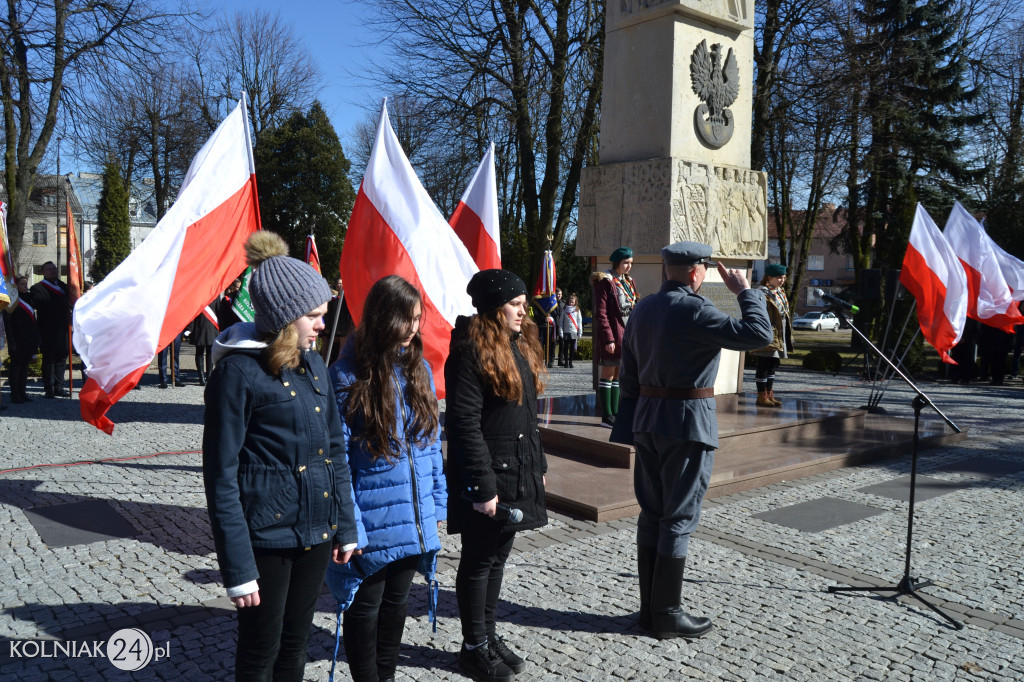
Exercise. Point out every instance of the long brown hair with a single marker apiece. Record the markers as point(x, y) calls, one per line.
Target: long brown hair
point(490, 335)
point(387, 318)
point(282, 350)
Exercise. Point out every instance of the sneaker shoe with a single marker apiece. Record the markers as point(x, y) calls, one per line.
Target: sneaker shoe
point(608, 421)
point(515, 662)
point(484, 665)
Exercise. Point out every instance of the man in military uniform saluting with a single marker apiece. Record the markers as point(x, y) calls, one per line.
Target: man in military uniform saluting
point(670, 356)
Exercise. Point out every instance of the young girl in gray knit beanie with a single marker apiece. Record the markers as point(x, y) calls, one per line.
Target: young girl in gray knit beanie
point(280, 507)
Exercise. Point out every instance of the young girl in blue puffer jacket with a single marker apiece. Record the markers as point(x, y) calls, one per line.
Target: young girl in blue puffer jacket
point(385, 394)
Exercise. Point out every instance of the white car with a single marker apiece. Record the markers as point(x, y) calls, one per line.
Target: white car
point(817, 321)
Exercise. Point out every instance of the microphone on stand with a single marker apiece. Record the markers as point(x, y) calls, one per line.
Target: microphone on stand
point(504, 511)
point(829, 298)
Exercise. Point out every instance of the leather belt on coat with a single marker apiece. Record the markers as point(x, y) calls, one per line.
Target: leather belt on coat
point(677, 393)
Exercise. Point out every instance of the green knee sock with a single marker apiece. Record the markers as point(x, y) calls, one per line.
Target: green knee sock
point(604, 396)
point(615, 397)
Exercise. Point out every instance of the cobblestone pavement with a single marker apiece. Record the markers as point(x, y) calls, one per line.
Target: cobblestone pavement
point(570, 594)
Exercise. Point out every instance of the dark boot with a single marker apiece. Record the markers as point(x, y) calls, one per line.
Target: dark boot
point(668, 619)
point(484, 665)
point(514, 661)
point(645, 558)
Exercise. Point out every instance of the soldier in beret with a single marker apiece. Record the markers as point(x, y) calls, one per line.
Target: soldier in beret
point(670, 357)
point(769, 357)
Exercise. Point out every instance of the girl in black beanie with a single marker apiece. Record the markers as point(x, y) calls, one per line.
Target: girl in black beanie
point(494, 456)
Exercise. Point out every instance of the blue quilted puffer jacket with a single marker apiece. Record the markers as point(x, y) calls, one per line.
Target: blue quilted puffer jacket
point(400, 503)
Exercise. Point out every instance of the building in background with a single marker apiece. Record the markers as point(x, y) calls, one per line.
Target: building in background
point(46, 233)
point(141, 212)
point(825, 270)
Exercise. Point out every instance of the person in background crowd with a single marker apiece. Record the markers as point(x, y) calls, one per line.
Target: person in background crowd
point(670, 359)
point(994, 345)
point(3, 344)
point(1018, 346)
point(615, 294)
point(50, 300)
point(385, 394)
point(226, 316)
point(174, 350)
point(547, 327)
point(769, 357)
point(495, 457)
point(570, 326)
point(345, 324)
point(202, 333)
point(277, 487)
point(22, 340)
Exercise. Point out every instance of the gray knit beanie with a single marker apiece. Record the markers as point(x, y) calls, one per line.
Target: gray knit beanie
point(282, 289)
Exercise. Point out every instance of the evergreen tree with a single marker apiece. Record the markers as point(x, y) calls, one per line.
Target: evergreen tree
point(912, 68)
point(113, 225)
point(303, 185)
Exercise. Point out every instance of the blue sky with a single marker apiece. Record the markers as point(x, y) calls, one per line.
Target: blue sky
point(335, 34)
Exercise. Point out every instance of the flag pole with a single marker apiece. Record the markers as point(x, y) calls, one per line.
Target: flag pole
point(334, 326)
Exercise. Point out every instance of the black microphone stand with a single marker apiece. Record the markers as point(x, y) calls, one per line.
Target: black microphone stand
point(907, 585)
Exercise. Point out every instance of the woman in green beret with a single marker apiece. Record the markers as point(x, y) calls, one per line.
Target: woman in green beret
point(769, 357)
point(615, 294)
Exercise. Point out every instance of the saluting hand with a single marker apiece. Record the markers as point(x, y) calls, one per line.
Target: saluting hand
point(734, 280)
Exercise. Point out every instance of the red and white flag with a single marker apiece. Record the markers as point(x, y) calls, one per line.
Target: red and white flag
point(76, 275)
point(1013, 271)
point(475, 219)
point(192, 255)
point(396, 229)
point(989, 299)
point(933, 274)
point(312, 257)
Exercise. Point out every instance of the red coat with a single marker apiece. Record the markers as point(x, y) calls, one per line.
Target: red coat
point(608, 323)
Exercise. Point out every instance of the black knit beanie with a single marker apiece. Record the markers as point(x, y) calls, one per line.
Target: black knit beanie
point(491, 289)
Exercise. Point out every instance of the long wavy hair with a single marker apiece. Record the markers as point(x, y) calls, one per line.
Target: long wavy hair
point(490, 335)
point(387, 318)
point(282, 350)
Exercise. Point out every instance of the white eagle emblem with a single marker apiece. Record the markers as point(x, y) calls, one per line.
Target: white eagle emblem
point(717, 86)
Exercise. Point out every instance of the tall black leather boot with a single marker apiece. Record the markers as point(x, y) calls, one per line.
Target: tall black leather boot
point(645, 558)
point(668, 619)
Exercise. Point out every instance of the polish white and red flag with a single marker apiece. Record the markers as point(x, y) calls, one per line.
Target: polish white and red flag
point(933, 274)
point(396, 229)
point(193, 254)
point(475, 219)
point(1013, 271)
point(312, 257)
point(989, 298)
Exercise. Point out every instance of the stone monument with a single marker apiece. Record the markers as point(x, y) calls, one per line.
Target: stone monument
point(675, 145)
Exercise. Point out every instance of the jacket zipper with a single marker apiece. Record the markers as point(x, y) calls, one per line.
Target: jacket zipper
point(412, 468)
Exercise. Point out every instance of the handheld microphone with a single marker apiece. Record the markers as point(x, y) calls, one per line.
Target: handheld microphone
point(829, 298)
point(504, 511)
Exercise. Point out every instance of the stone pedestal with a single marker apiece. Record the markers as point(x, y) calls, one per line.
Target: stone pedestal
point(675, 165)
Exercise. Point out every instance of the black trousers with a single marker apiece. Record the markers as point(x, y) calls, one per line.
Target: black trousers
point(566, 348)
point(204, 360)
point(161, 362)
point(54, 365)
point(18, 377)
point(375, 621)
point(485, 548)
point(273, 637)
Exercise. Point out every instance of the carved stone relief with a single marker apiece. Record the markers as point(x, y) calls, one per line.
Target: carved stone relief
point(736, 10)
point(647, 204)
